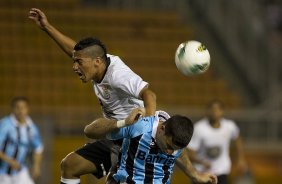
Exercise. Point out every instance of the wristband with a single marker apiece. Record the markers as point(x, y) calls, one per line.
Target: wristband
point(121, 123)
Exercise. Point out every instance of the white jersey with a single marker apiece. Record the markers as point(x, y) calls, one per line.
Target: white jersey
point(212, 144)
point(119, 90)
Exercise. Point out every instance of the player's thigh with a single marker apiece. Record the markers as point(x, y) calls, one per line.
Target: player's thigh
point(76, 165)
point(99, 154)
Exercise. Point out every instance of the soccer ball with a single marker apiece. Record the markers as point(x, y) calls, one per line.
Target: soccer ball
point(192, 57)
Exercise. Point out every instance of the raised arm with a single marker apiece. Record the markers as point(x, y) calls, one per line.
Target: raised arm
point(102, 126)
point(66, 43)
point(184, 163)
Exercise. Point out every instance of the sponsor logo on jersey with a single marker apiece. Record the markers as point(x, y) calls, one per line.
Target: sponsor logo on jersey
point(105, 92)
point(153, 158)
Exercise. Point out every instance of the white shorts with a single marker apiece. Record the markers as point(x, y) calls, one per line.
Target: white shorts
point(22, 177)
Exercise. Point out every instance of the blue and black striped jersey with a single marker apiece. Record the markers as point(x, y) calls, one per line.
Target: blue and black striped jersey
point(142, 161)
point(16, 141)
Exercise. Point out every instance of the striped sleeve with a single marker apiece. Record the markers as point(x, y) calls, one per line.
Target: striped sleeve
point(4, 130)
point(36, 143)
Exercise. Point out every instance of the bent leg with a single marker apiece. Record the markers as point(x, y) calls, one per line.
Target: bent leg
point(93, 158)
point(73, 166)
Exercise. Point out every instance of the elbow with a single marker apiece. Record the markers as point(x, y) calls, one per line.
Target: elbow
point(88, 132)
point(91, 132)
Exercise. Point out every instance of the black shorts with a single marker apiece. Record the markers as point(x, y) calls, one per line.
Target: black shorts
point(102, 154)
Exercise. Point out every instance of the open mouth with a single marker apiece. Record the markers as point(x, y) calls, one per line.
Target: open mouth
point(81, 76)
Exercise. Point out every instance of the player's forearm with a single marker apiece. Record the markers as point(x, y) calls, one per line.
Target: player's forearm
point(193, 157)
point(184, 163)
point(240, 149)
point(100, 128)
point(66, 43)
point(37, 159)
point(150, 103)
point(5, 158)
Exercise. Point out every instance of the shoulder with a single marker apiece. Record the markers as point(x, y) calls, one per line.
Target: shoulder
point(117, 63)
point(117, 68)
point(228, 123)
point(144, 125)
point(202, 123)
point(33, 127)
point(5, 123)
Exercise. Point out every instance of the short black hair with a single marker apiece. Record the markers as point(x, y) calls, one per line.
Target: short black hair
point(180, 128)
point(16, 99)
point(215, 102)
point(101, 50)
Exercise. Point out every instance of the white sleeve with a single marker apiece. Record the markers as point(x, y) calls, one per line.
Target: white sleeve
point(234, 130)
point(128, 81)
point(195, 142)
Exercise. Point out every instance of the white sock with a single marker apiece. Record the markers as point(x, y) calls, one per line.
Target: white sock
point(70, 181)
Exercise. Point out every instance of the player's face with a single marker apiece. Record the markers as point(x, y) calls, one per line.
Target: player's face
point(84, 66)
point(165, 142)
point(215, 112)
point(21, 110)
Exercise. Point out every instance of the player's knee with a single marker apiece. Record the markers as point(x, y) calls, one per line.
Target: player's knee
point(87, 131)
point(68, 165)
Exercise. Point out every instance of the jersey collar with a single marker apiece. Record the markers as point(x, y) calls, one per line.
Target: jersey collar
point(16, 122)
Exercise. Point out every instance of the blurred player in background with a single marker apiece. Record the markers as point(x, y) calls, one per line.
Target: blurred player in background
point(151, 147)
point(18, 138)
point(117, 87)
point(210, 144)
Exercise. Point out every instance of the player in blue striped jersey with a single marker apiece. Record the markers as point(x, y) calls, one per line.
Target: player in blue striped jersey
point(151, 147)
point(18, 137)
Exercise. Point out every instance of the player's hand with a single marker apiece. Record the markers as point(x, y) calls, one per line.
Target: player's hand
point(35, 173)
point(15, 164)
point(38, 17)
point(206, 178)
point(134, 116)
point(241, 166)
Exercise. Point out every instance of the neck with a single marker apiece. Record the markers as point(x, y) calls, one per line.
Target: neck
point(21, 120)
point(215, 123)
point(102, 74)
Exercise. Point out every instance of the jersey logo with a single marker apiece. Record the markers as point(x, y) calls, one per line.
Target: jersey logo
point(213, 152)
point(105, 92)
point(155, 158)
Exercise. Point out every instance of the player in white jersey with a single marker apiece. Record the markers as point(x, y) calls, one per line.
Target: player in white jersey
point(110, 91)
point(117, 87)
point(210, 144)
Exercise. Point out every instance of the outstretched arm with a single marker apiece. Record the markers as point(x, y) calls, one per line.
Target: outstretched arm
point(184, 163)
point(66, 43)
point(102, 126)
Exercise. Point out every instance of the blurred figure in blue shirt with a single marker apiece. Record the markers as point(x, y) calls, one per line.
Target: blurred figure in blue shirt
point(19, 137)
